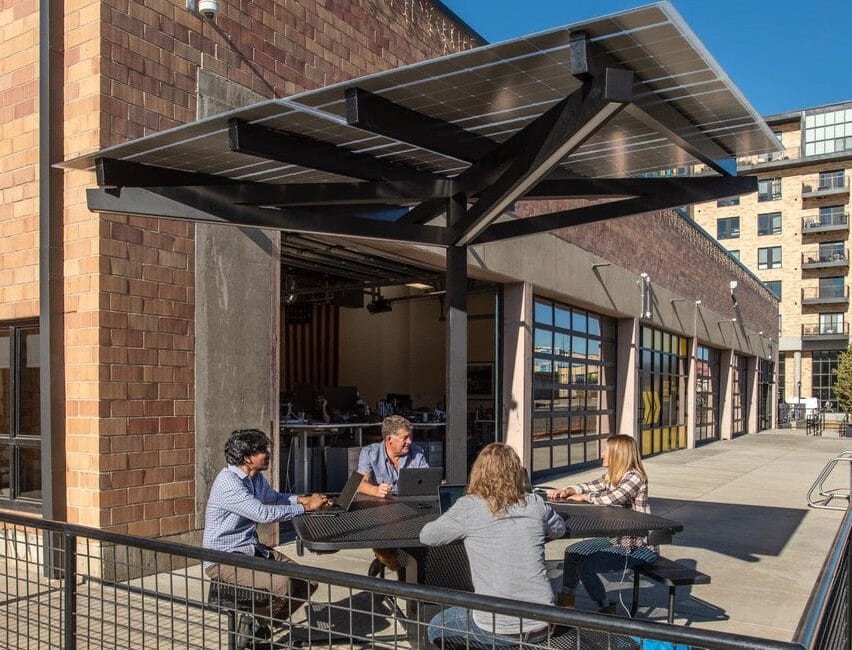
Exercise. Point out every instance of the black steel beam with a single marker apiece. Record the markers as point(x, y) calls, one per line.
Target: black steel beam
point(702, 189)
point(295, 149)
point(376, 114)
point(591, 188)
point(112, 172)
point(306, 194)
point(213, 205)
point(543, 144)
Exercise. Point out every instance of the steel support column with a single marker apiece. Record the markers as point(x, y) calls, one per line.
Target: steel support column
point(456, 351)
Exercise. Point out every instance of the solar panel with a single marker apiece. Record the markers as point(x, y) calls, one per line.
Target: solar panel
point(493, 91)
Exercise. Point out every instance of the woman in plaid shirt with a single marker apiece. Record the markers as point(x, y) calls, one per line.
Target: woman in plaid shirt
point(625, 484)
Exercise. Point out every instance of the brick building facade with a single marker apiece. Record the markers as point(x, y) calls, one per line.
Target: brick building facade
point(129, 69)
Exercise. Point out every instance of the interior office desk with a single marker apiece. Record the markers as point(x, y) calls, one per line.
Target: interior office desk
point(300, 432)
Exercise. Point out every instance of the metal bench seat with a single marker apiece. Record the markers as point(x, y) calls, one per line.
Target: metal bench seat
point(670, 573)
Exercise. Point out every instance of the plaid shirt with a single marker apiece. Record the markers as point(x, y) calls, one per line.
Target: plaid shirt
point(237, 504)
point(631, 492)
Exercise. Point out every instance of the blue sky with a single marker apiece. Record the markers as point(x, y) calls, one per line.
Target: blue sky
point(783, 54)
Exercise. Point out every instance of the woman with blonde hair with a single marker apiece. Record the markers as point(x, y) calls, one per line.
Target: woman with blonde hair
point(625, 484)
point(495, 515)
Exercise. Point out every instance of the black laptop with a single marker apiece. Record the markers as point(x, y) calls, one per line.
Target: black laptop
point(419, 482)
point(343, 501)
point(449, 494)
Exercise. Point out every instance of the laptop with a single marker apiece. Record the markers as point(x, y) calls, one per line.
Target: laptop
point(420, 482)
point(343, 501)
point(448, 495)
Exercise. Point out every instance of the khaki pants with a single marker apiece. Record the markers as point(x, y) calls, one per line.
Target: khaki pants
point(287, 593)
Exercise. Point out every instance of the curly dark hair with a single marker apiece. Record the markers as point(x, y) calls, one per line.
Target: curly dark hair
point(244, 443)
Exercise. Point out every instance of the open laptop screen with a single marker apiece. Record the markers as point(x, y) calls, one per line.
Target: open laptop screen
point(449, 494)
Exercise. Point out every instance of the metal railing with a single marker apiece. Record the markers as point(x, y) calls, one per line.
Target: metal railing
point(826, 184)
point(836, 257)
point(832, 220)
point(825, 293)
point(825, 329)
point(826, 622)
point(73, 587)
point(827, 495)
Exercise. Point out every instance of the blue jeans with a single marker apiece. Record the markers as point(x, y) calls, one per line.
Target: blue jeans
point(585, 560)
point(455, 625)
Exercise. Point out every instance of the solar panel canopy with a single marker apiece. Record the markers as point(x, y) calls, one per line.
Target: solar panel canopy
point(491, 92)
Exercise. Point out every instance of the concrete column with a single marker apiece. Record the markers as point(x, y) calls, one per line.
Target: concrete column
point(517, 368)
point(753, 394)
point(726, 394)
point(691, 392)
point(627, 377)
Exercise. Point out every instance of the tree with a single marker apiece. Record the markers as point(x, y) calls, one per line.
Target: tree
point(843, 381)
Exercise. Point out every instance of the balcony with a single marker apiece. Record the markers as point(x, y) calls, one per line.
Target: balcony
point(824, 331)
point(831, 186)
point(825, 260)
point(825, 295)
point(824, 223)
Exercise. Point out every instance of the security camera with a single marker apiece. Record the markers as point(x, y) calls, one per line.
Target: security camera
point(208, 8)
point(733, 284)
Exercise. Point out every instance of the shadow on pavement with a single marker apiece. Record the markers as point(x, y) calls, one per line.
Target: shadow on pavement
point(741, 531)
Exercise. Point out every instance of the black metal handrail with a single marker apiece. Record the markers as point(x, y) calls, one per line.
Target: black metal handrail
point(819, 257)
point(825, 624)
point(825, 293)
point(825, 329)
point(825, 221)
point(70, 539)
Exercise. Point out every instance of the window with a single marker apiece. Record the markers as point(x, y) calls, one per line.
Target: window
point(769, 189)
point(775, 287)
point(769, 224)
point(833, 180)
point(831, 287)
point(832, 215)
point(769, 257)
point(827, 130)
point(20, 416)
point(739, 395)
point(831, 323)
point(573, 386)
point(663, 366)
point(707, 372)
point(731, 200)
point(831, 251)
point(735, 254)
point(728, 228)
point(823, 376)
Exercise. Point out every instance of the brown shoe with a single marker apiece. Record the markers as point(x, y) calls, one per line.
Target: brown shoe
point(375, 568)
point(609, 609)
point(565, 599)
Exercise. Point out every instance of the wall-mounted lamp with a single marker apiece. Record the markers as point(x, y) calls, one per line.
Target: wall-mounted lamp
point(733, 286)
point(645, 279)
point(600, 264)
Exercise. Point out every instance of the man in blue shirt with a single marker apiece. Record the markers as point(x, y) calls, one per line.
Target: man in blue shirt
point(240, 499)
point(380, 464)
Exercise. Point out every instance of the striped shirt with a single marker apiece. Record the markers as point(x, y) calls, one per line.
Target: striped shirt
point(237, 504)
point(630, 492)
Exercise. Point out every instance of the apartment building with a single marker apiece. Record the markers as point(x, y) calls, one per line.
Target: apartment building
point(794, 235)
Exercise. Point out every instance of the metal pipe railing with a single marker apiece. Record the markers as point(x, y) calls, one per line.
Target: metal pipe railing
point(77, 617)
point(825, 624)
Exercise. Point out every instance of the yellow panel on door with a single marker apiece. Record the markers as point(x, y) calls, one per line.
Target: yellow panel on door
point(666, 439)
point(646, 442)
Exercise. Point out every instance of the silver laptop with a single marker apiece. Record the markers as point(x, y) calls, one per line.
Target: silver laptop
point(343, 501)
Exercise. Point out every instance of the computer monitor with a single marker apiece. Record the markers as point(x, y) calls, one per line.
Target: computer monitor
point(303, 398)
point(341, 398)
point(400, 401)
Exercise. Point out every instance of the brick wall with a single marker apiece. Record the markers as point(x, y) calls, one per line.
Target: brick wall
point(675, 255)
point(131, 431)
point(18, 159)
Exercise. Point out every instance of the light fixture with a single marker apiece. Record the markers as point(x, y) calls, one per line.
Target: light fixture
point(418, 285)
point(379, 305)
